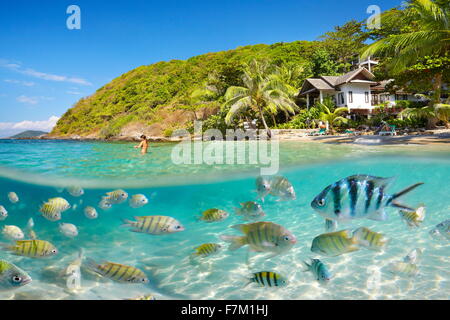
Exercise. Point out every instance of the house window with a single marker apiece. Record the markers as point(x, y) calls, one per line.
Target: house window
point(350, 97)
point(341, 98)
point(366, 96)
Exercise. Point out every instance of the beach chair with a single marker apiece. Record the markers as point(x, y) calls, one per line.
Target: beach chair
point(391, 132)
point(321, 132)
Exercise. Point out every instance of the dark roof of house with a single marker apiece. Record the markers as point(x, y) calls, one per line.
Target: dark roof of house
point(330, 82)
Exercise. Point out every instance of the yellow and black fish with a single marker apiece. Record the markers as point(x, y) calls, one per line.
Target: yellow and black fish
point(370, 239)
point(268, 279)
point(118, 272)
point(335, 243)
point(32, 248)
point(413, 218)
point(207, 249)
point(154, 225)
point(213, 215)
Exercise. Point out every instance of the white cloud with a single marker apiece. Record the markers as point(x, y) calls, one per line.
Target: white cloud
point(74, 92)
point(29, 100)
point(42, 75)
point(32, 100)
point(24, 83)
point(45, 125)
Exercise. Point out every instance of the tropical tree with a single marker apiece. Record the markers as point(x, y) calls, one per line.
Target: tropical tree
point(263, 92)
point(438, 111)
point(331, 114)
point(429, 35)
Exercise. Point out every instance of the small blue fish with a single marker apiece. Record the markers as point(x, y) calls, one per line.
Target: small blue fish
point(320, 270)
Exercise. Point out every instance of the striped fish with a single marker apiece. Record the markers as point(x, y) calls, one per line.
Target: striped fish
point(207, 249)
point(154, 225)
point(319, 269)
point(213, 215)
point(268, 279)
point(116, 196)
point(441, 230)
point(370, 239)
point(59, 204)
point(50, 212)
point(250, 210)
point(282, 188)
point(262, 187)
point(335, 243)
point(32, 248)
point(118, 272)
point(12, 277)
point(357, 197)
point(404, 268)
point(413, 218)
point(262, 237)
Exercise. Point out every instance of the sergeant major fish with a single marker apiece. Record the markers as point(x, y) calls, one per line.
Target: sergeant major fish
point(60, 204)
point(13, 232)
point(335, 243)
point(137, 201)
point(50, 212)
point(441, 230)
point(413, 218)
point(262, 237)
point(90, 212)
point(155, 225)
point(118, 272)
point(357, 197)
point(319, 270)
point(213, 215)
point(116, 196)
point(268, 279)
point(281, 187)
point(68, 229)
point(32, 248)
point(250, 210)
point(206, 250)
point(12, 277)
point(370, 239)
point(262, 187)
point(75, 191)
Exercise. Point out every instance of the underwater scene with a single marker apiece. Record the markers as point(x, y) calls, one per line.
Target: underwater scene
point(93, 220)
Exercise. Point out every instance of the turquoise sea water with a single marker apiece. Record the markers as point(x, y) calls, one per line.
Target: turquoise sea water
point(36, 171)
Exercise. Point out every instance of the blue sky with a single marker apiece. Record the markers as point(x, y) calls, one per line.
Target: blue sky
point(45, 67)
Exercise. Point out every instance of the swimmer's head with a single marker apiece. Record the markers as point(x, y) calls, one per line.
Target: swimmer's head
point(143, 137)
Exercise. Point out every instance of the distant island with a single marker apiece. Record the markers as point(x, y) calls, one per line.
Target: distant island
point(28, 134)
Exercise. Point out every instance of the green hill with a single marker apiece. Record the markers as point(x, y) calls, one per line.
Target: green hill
point(28, 134)
point(155, 99)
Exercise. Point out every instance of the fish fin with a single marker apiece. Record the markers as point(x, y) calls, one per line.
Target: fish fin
point(379, 215)
point(377, 181)
point(235, 241)
point(127, 223)
point(307, 265)
point(91, 265)
point(330, 225)
point(402, 206)
point(241, 227)
point(406, 190)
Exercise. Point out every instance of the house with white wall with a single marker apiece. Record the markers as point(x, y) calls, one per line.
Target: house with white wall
point(357, 90)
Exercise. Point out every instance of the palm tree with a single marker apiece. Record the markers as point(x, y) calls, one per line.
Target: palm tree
point(263, 92)
point(430, 36)
point(438, 111)
point(332, 116)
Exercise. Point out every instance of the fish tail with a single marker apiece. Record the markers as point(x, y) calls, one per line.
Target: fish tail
point(127, 223)
point(91, 264)
point(307, 265)
point(235, 241)
point(404, 191)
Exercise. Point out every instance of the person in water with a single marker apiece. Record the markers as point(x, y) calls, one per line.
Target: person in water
point(143, 145)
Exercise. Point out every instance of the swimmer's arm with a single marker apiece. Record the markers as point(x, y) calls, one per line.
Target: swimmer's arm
point(139, 145)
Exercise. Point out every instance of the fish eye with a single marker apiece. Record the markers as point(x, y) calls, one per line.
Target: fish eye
point(321, 202)
point(17, 279)
point(144, 280)
point(287, 238)
point(54, 251)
